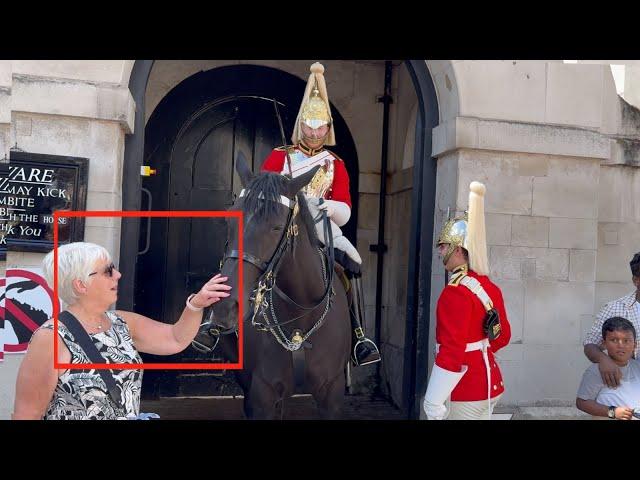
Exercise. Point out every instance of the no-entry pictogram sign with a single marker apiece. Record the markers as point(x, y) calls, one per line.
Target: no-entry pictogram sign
point(28, 304)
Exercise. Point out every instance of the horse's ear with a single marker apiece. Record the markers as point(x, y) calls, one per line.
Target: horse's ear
point(242, 167)
point(297, 183)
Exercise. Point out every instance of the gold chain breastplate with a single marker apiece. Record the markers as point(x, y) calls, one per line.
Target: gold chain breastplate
point(321, 181)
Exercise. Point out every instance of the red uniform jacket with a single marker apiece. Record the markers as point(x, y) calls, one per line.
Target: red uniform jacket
point(460, 317)
point(339, 190)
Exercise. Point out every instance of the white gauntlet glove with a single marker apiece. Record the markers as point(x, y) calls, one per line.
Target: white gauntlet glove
point(441, 384)
point(434, 412)
point(339, 212)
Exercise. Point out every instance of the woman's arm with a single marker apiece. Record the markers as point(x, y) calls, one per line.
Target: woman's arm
point(151, 336)
point(37, 378)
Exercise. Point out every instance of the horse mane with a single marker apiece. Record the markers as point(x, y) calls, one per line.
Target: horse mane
point(269, 186)
point(263, 195)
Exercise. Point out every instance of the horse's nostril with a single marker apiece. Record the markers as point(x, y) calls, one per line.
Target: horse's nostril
point(226, 313)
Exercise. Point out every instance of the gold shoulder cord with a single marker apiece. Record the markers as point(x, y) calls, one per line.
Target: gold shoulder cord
point(458, 274)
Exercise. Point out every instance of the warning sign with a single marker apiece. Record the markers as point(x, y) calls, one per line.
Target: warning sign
point(2, 334)
point(28, 303)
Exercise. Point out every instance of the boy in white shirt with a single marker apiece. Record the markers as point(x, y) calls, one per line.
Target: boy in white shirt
point(594, 396)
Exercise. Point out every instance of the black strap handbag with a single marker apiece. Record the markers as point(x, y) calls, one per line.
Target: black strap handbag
point(85, 342)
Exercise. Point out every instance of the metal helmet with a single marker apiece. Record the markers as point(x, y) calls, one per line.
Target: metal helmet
point(315, 109)
point(454, 232)
point(469, 231)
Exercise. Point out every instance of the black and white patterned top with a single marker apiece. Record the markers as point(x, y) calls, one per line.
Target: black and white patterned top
point(82, 394)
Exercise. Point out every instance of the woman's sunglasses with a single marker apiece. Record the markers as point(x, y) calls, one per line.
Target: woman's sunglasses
point(108, 271)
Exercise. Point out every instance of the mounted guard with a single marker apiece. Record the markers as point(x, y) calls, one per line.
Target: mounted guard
point(328, 191)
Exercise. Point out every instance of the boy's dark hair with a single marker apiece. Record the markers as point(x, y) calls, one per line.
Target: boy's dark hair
point(635, 265)
point(616, 324)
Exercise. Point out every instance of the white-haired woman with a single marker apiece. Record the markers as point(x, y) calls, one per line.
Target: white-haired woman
point(88, 284)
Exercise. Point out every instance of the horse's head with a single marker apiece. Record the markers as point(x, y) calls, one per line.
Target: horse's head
point(267, 202)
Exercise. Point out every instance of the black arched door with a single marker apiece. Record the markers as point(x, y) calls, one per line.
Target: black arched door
point(191, 140)
point(203, 177)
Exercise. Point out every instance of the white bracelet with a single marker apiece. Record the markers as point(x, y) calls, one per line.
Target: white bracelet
point(191, 307)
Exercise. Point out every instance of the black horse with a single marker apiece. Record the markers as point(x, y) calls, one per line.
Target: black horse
point(291, 300)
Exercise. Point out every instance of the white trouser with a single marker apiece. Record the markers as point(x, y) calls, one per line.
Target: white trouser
point(483, 346)
point(478, 410)
point(339, 240)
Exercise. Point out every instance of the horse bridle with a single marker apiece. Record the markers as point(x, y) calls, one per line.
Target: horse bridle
point(288, 233)
point(267, 281)
point(216, 330)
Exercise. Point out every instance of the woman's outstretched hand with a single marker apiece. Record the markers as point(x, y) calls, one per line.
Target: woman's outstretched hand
point(212, 291)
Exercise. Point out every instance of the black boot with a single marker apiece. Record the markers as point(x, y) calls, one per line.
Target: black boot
point(208, 336)
point(204, 341)
point(364, 351)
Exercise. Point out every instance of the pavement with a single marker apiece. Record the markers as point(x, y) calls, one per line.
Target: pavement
point(356, 407)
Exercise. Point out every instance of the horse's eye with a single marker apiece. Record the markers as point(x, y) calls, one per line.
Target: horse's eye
point(277, 228)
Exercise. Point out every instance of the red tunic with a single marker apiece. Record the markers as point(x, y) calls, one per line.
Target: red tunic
point(339, 190)
point(460, 317)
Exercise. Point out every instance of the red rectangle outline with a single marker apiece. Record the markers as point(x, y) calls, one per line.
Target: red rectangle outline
point(148, 366)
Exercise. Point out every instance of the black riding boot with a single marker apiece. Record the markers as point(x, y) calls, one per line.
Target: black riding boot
point(364, 351)
point(207, 338)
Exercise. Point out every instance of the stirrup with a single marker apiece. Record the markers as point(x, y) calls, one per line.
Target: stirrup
point(203, 339)
point(372, 357)
point(203, 348)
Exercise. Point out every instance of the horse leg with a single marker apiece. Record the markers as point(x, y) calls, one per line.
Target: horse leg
point(280, 409)
point(330, 397)
point(243, 379)
point(260, 403)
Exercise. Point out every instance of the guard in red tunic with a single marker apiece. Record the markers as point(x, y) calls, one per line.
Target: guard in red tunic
point(328, 190)
point(472, 323)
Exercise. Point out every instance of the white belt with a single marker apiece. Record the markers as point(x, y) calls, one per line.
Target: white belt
point(484, 346)
point(479, 345)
